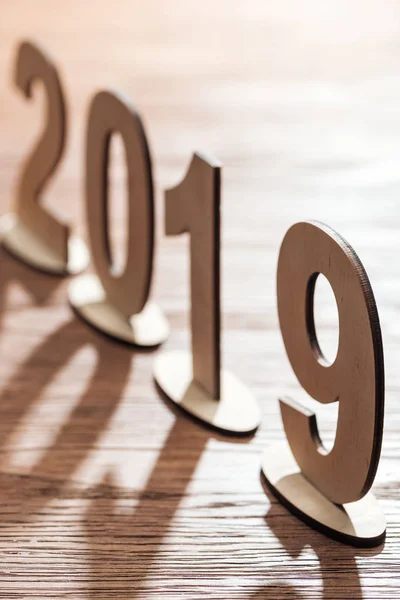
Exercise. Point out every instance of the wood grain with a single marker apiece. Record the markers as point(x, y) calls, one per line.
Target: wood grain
point(115, 300)
point(194, 380)
point(105, 492)
point(193, 207)
point(111, 113)
point(355, 379)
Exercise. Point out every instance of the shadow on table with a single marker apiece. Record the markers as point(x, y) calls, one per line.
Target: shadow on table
point(338, 565)
point(276, 592)
point(39, 286)
point(21, 496)
point(26, 494)
point(120, 547)
point(125, 548)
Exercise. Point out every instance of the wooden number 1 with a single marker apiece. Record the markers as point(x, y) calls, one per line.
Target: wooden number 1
point(32, 233)
point(194, 207)
point(355, 379)
point(195, 381)
point(117, 305)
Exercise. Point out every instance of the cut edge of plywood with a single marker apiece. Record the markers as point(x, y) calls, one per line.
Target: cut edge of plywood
point(146, 329)
point(27, 247)
point(360, 524)
point(236, 411)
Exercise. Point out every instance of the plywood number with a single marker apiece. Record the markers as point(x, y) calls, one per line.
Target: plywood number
point(355, 379)
point(110, 113)
point(33, 234)
point(195, 380)
point(117, 304)
point(194, 207)
point(310, 480)
point(33, 63)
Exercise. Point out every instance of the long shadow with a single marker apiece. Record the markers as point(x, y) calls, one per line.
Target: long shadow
point(337, 562)
point(39, 286)
point(22, 496)
point(124, 548)
point(277, 592)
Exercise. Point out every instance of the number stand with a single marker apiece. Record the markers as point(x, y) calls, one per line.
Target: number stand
point(147, 329)
point(26, 246)
point(31, 233)
point(360, 523)
point(329, 489)
point(195, 381)
point(236, 411)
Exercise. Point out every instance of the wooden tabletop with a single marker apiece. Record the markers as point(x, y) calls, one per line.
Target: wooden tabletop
point(105, 491)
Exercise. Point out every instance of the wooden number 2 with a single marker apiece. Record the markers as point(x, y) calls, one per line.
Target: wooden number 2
point(118, 304)
point(329, 489)
point(33, 234)
point(355, 379)
point(195, 380)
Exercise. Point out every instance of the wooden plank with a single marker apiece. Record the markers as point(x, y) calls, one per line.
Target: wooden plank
point(105, 492)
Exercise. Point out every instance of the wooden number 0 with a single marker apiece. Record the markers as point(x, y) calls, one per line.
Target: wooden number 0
point(32, 233)
point(195, 381)
point(355, 379)
point(117, 305)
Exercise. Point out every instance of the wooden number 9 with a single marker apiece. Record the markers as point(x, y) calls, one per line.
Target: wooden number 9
point(321, 480)
point(117, 305)
point(33, 234)
point(355, 378)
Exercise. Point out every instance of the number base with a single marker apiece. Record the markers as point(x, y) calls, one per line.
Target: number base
point(360, 523)
point(24, 245)
point(146, 329)
point(235, 412)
